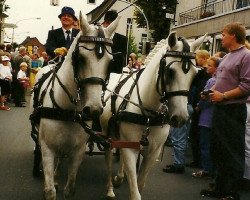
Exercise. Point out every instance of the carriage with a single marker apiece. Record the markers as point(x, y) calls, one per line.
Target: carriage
point(70, 97)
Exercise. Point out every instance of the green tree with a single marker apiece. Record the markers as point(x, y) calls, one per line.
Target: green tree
point(132, 47)
point(155, 11)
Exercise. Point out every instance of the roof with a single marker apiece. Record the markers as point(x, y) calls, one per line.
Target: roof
point(97, 13)
point(29, 39)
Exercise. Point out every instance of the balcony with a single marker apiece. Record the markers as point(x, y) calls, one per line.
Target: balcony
point(215, 8)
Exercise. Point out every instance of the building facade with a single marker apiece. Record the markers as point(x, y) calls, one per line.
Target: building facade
point(210, 16)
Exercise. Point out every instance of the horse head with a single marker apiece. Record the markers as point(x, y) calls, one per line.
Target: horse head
point(178, 71)
point(91, 55)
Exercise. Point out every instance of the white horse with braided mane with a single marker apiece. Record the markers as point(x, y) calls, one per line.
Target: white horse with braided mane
point(70, 94)
point(168, 74)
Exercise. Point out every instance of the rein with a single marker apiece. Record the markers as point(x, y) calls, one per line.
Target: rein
point(164, 71)
point(99, 49)
point(58, 113)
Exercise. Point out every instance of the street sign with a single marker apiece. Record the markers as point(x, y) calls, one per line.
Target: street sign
point(169, 16)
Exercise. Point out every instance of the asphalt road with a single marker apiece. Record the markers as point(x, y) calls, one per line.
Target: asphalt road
point(17, 182)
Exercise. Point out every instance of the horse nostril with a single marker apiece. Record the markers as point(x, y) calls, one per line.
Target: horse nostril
point(96, 114)
point(86, 111)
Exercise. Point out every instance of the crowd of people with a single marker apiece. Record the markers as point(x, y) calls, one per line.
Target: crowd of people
point(218, 129)
point(16, 69)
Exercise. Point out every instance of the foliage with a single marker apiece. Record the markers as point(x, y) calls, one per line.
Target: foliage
point(155, 11)
point(132, 47)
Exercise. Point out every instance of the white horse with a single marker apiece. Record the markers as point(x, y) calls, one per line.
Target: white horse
point(168, 75)
point(67, 96)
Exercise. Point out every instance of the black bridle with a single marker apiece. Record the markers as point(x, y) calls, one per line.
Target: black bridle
point(164, 71)
point(99, 49)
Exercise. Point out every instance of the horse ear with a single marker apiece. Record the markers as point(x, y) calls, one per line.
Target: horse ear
point(197, 43)
point(84, 25)
point(111, 28)
point(172, 39)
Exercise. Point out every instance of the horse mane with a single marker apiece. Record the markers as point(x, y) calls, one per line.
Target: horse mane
point(152, 53)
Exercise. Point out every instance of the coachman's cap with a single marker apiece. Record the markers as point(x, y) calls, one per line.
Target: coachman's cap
point(110, 16)
point(69, 11)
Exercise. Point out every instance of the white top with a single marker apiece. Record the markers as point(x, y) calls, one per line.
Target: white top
point(4, 71)
point(21, 74)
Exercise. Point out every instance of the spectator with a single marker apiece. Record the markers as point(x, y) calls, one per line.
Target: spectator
point(2, 49)
point(220, 54)
point(23, 82)
point(246, 180)
point(59, 40)
point(179, 137)
point(44, 59)
point(196, 88)
point(230, 92)
point(205, 107)
point(119, 47)
point(36, 64)
point(18, 59)
point(5, 79)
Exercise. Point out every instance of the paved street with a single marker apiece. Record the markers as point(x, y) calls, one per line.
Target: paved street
point(17, 183)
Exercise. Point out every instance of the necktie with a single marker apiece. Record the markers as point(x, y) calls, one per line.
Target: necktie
point(68, 42)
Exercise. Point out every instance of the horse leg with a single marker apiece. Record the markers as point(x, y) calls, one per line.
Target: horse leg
point(129, 157)
point(57, 172)
point(48, 169)
point(119, 178)
point(151, 155)
point(75, 159)
point(109, 159)
point(37, 161)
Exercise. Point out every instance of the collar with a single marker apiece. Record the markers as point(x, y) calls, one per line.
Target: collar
point(64, 30)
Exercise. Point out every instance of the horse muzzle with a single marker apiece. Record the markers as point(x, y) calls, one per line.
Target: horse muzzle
point(92, 112)
point(177, 121)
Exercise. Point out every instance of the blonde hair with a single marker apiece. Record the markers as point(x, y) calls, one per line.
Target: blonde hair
point(247, 44)
point(23, 64)
point(202, 54)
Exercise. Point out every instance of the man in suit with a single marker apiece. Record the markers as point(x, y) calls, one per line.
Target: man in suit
point(59, 40)
point(119, 47)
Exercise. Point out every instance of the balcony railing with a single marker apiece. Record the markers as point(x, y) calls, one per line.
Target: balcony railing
point(210, 9)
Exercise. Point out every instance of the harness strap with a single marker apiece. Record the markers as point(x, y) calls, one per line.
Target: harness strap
point(124, 103)
point(117, 90)
point(62, 115)
point(141, 119)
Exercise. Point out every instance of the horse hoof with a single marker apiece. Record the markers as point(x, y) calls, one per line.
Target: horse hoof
point(117, 181)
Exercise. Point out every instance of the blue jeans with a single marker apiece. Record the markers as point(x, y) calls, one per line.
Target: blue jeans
point(206, 162)
point(179, 138)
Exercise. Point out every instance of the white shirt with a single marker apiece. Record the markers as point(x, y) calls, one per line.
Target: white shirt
point(5, 71)
point(66, 34)
point(21, 74)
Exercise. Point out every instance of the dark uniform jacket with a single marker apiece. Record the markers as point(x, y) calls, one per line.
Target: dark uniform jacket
point(119, 60)
point(56, 39)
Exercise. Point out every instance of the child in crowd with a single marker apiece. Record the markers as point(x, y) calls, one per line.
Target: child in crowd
point(197, 86)
point(5, 80)
point(23, 83)
point(205, 106)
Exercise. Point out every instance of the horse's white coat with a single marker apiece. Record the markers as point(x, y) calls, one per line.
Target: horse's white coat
point(177, 106)
point(58, 138)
